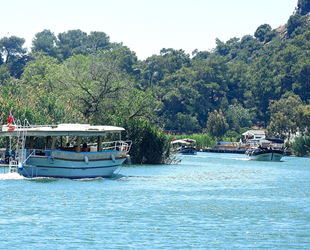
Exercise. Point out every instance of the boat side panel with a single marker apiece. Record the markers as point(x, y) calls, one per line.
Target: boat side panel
point(41, 167)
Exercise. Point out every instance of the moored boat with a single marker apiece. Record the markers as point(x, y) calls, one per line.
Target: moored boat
point(41, 150)
point(185, 146)
point(270, 149)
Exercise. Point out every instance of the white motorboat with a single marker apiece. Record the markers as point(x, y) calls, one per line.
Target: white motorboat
point(267, 150)
point(41, 150)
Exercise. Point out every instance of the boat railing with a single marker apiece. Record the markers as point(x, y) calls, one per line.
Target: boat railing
point(117, 145)
point(106, 146)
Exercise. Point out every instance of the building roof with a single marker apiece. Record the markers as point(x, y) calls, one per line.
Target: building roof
point(254, 132)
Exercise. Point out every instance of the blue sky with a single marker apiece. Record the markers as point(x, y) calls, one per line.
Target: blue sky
point(146, 26)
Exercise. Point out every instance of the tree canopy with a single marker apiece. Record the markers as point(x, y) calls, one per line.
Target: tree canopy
point(244, 81)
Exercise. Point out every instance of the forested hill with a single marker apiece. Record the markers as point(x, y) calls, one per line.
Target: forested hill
point(261, 80)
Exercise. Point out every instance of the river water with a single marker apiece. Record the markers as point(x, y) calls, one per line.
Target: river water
point(208, 201)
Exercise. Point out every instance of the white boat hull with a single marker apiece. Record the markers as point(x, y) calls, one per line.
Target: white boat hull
point(76, 167)
point(268, 156)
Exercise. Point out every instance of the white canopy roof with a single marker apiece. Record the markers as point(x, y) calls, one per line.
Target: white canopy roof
point(61, 130)
point(186, 141)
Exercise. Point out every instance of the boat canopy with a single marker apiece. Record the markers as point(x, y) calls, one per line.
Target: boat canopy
point(275, 140)
point(60, 130)
point(186, 141)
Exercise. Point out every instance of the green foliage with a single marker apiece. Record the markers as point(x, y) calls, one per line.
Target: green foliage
point(217, 125)
point(4, 74)
point(238, 117)
point(148, 145)
point(12, 46)
point(284, 117)
point(301, 146)
point(45, 42)
point(262, 31)
point(71, 43)
point(303, 6)
point(293, 22)
point(232, 136)
point(74, 76)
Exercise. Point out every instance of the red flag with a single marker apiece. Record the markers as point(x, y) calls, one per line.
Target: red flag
point(174, 138)
point(10, 119)
point(248, 138)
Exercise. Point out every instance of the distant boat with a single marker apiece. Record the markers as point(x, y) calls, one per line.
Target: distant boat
point(185, 146)
point(42, 151)
point(270, 149)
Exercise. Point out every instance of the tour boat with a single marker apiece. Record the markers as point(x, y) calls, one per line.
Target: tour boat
point(185, 146)
point(64, 150)
point(267, 150)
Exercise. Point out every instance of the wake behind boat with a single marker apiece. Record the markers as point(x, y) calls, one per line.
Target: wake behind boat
point(267, 150)
point(42, 152)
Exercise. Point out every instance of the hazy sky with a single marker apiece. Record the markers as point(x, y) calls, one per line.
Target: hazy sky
point(146, 26)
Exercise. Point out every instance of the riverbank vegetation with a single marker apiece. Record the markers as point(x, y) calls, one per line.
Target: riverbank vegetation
point(260, 81)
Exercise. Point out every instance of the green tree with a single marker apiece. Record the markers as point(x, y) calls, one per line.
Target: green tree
point(40, 70)
point(72, 42)
point(301, 146)
point(97, 41)
point(4, 74)
point(148, 145)
point(221, 47)
point(45, 41)
point(303, 7)
point(293, 22)
point(262, 31)
point(216, 124)
point(93, 83)
point(238, 117)
point(12, 46)
point(303, 119)
point(284, 115)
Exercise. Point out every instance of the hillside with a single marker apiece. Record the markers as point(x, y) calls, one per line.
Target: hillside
point(261, 80)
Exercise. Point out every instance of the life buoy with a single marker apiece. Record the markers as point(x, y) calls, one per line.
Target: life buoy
point(113, 158)
point(51, 159)
point(125, 148)
point(11, 127)
point(86, 159)
point(20, 166)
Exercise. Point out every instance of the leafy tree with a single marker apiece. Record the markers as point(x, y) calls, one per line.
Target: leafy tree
point(200, 55)
point(293, 22)
point(221, 47)
point(238, 117)
point(187, 123)
point(71, 42)
point(40, 71)
point(45, 41)
point(301, 146)
point(303, 119)
point(284, 117)
point(4, 74)
point(216, 124)
point(97, 41)
point(270, 35)
point(303, 6)
point(12, 46)
point(262, 31)
point(148, 146)
point(93, 83)
point(127, 59)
